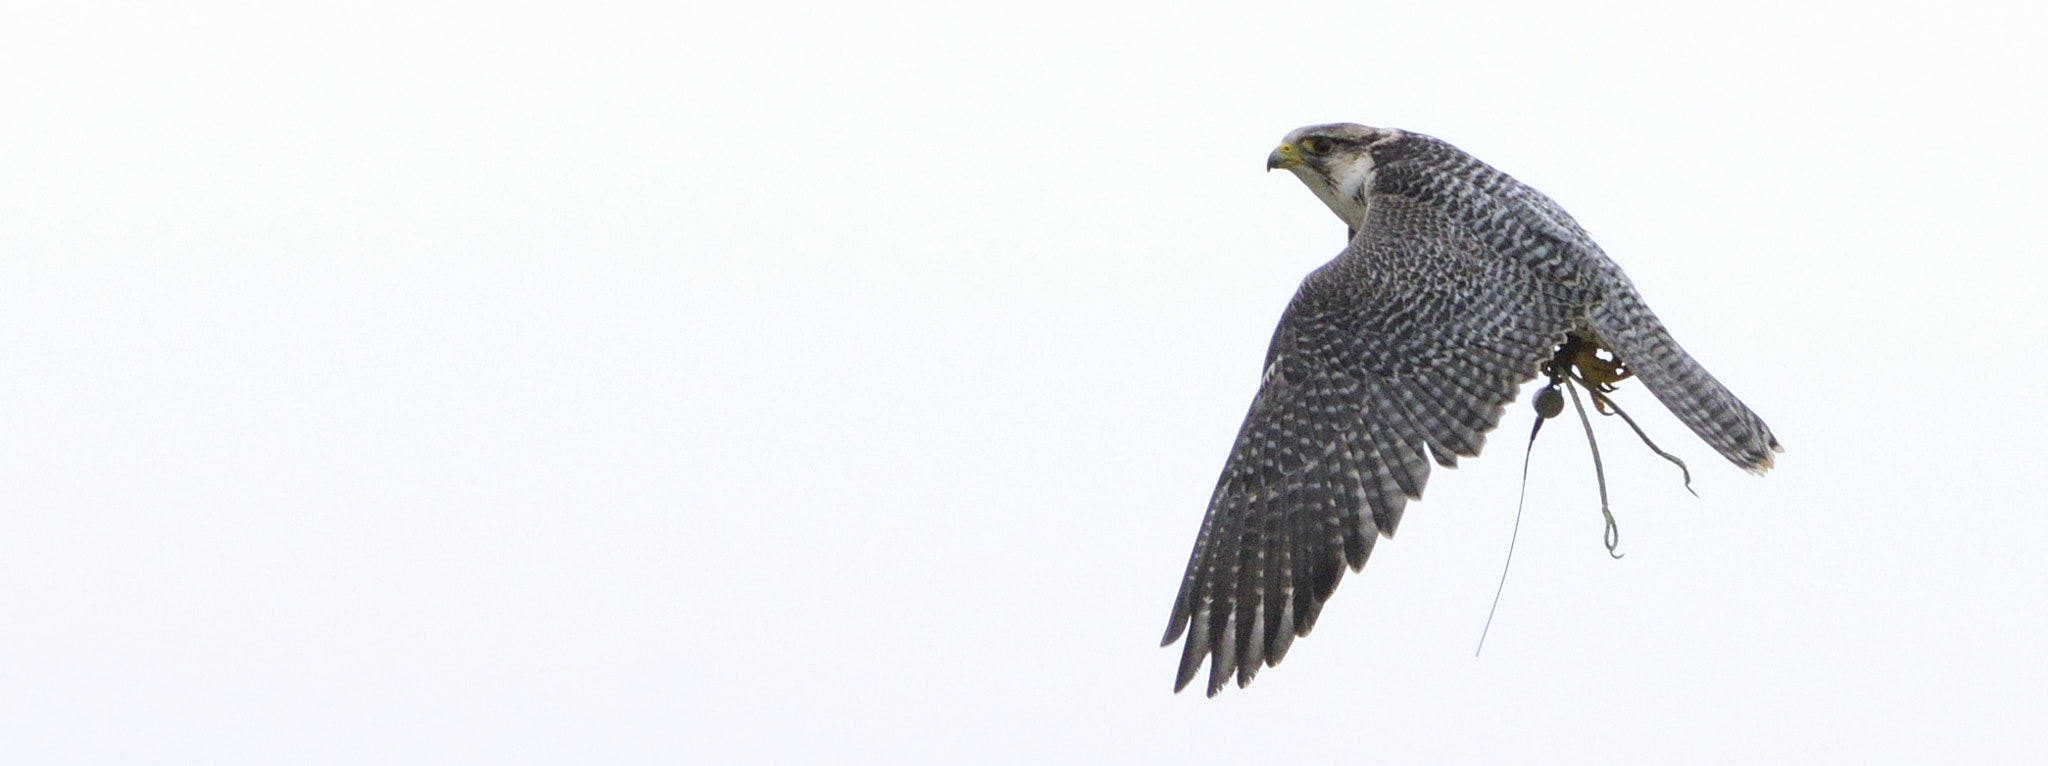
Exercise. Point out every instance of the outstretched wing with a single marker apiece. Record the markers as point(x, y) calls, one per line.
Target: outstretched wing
point(1411, 341)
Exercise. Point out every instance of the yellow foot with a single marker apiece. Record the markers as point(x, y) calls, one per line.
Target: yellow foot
point(1600, 372)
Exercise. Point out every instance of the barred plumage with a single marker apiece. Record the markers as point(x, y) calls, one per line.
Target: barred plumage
point(1457, 284)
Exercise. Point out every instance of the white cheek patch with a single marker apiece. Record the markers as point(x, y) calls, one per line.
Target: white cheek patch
point(1355, 178)
point(1352, 182)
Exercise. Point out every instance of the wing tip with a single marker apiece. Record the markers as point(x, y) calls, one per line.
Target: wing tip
point(1175, 626)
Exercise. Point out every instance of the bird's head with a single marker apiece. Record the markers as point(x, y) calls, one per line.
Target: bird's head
point(1336, 162)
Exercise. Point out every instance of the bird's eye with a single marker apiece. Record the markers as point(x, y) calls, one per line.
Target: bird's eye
point(1318, 145)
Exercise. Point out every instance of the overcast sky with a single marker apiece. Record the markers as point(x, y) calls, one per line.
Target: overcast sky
point(812, 383)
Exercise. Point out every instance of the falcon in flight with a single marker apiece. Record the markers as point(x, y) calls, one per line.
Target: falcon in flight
point(1458, 285)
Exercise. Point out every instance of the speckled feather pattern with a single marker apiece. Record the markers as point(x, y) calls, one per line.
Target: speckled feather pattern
point(1402, 351)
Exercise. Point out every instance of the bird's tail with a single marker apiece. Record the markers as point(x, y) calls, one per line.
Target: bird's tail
point(1629, 329)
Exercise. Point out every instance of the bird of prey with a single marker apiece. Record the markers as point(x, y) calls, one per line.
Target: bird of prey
point(1458, 284)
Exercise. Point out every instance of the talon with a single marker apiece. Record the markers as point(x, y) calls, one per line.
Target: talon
point(1600, 372)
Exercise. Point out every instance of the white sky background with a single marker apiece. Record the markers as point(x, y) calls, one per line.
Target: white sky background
point(431, 384)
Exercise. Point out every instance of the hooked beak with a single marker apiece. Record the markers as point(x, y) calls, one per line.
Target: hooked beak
point(1283, 157)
